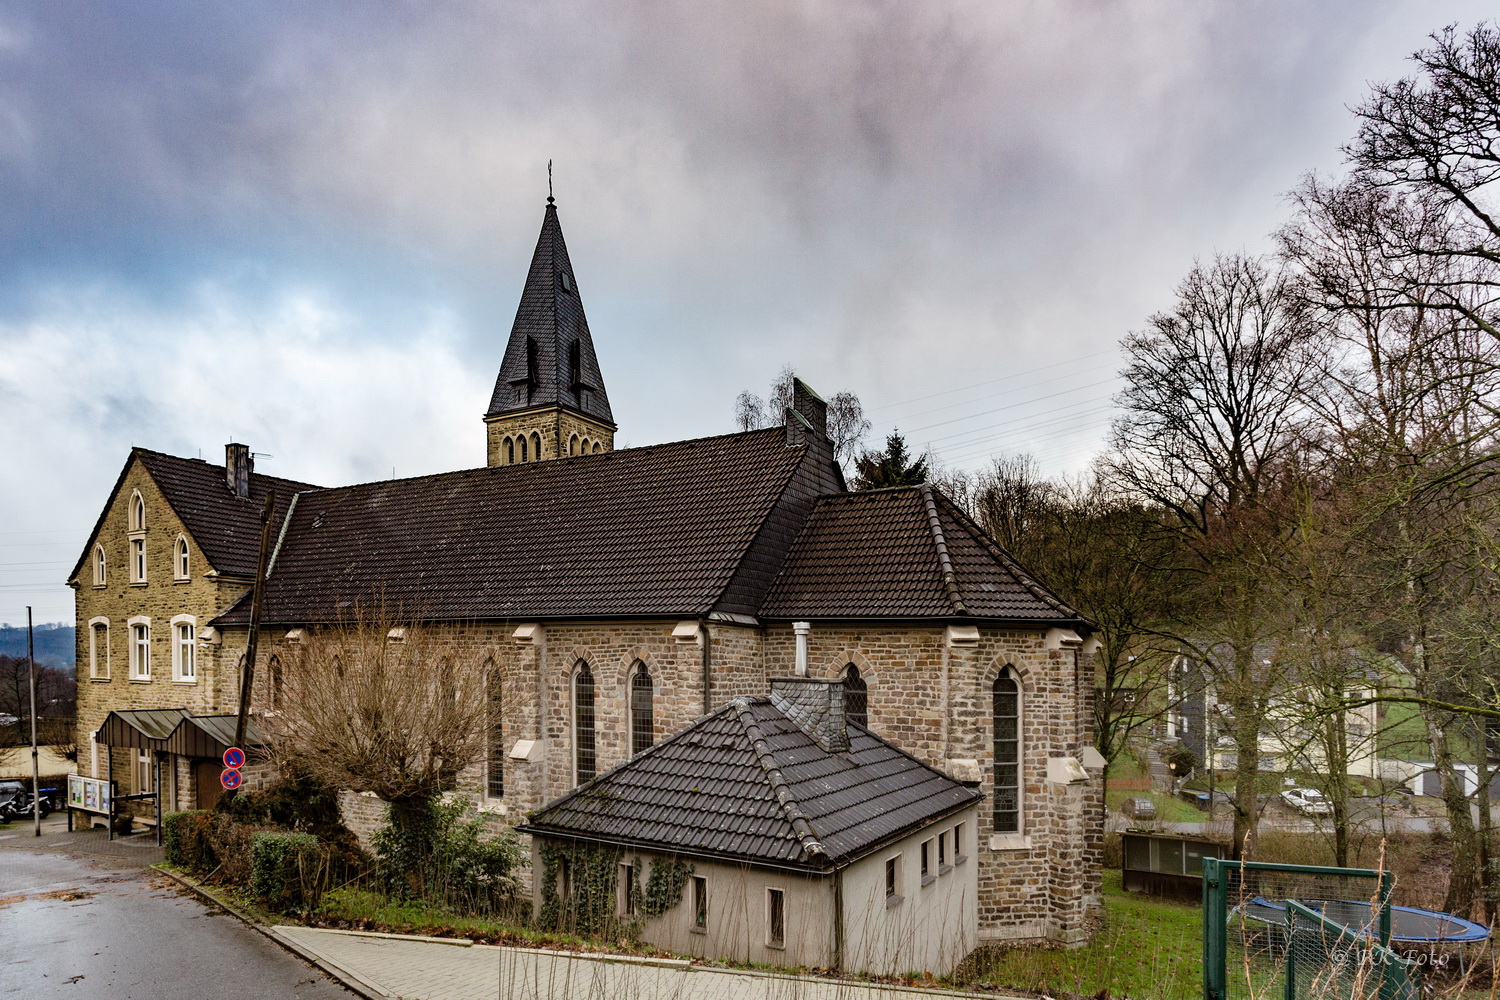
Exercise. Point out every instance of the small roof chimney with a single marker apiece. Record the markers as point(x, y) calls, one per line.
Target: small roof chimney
point(816, 705)
point(238, 464)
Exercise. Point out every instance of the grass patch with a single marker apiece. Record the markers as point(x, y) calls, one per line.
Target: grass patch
point(1168, 809)
point(1148, 949)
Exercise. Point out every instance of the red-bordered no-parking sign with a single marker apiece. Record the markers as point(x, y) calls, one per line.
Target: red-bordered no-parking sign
point(231, 778)
point(234, 758)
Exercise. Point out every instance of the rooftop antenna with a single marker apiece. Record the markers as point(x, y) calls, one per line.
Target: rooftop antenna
point(549, 182)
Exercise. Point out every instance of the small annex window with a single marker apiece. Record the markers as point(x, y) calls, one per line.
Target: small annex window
point(585, 761)
point(625, 894)
point(137, 512)
point(184, 648)
point(494, 766)
point(856, 697)
point(893, 879)
point(100, 566)
point(642, 710)
point(928, 875)
point(775, 918)
point(140, 649)
point(99, 649)
point(1007, 750)
point(958, 843)
point(181, 561)
point(700, 903)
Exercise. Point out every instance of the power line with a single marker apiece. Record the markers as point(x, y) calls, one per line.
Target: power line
point(1049, 381)
point(1003, 378)
point(1012, 406)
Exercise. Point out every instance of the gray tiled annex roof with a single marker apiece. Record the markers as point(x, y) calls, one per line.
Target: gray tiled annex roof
point(225, 528)
point(551, 315)
point(658, 530)
point(904, 552)
point(710, 789)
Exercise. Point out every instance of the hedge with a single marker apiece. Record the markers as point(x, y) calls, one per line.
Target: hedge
point(287, 870)
point(186, 840)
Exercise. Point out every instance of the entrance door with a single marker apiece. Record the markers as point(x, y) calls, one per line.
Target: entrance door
point(206, 783)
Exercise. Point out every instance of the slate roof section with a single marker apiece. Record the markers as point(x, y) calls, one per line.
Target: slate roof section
point(225, 528)
point(746, 784)
point(654, 531)
point(904, 552)
point(551, 316)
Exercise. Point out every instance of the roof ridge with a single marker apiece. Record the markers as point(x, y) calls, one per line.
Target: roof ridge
point(945, 562)
point(762, 749)
point(1023, 575)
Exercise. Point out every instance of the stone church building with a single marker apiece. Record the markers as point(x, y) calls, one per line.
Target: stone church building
point(616, 597)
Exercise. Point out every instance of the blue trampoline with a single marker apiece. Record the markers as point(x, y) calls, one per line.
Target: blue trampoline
point(1408, 923)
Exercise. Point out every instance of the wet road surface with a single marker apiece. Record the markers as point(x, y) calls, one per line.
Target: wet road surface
point(85, 926)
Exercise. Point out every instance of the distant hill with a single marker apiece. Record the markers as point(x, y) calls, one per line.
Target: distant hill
point(53, 643)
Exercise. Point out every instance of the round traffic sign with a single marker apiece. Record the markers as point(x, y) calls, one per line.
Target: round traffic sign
point(231, 778)
point(234, 758)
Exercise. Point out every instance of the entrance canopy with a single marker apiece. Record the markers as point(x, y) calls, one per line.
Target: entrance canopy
point(175, 730)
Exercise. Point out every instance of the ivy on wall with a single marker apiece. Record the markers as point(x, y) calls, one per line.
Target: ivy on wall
point(592, 873)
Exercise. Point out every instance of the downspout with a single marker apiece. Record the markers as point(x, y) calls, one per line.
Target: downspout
point(708, 656)
point(838, 919)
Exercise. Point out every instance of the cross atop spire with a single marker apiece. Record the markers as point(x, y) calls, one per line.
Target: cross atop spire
point(549, 362)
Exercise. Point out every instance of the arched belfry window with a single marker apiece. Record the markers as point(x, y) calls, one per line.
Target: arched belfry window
point(536, 447)
point(1007, 723)
point(510, 450)
point(856, 697)
point(585, 761)
point(522, 439)
point(642, 709)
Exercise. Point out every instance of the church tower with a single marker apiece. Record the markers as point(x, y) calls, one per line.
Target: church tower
point(549, 400)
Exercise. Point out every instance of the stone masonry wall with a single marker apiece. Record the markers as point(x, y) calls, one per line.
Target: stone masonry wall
point(555, 427)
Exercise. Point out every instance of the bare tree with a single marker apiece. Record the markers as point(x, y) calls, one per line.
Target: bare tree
point(847, 425)
point(1213, 402)
point(378, 706)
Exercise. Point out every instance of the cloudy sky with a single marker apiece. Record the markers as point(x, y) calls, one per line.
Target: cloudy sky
point(305, 226)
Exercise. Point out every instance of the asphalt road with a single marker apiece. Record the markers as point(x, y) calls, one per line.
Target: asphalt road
point(85, 927)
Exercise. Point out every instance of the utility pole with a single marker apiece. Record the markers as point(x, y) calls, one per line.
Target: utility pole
point(36, 782)
point(257, 597)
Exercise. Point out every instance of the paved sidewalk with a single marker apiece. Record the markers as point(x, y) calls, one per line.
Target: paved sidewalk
point(424, 969)
point(139, 848)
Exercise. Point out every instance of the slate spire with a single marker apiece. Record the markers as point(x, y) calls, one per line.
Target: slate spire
point(550, 358)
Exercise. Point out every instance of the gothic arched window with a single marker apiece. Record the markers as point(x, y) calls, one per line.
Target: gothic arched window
point(536, 447)
point(522, 439)
point(495, 756)
point(277, 681)
point(856, 697)
point(585, 761)
point(642, 710)
point(1007, 723)
point(510, 450)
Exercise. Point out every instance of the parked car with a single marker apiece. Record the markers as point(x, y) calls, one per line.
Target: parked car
point(1139, 808)
point(1307, 801)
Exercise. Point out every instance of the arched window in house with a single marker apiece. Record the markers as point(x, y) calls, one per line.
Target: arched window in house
point(642, 709)
point(137, 513)
point(99, 574)
point(278, 680)
point(1007, 723)
point(856, 697)
point(494, 767)
point(180, 561)
point(522, 440)
point(585, 762)
point(510, 450)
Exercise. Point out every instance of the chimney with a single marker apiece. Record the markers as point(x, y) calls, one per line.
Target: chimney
point(238, 464)
point(816, 706)
point(807, 417)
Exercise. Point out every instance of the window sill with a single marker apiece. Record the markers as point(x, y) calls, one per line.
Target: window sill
point(181, 579)
point(100, 680)
point(944, 869)
point(1010, 842)
point(698, 930)
point(893, 901)
point(960, 859)
point(493, 807)
point(138, 583)
point(185, 680)
point(777, 947)
point(928, 880)
point(140, 680)
point(101, 586)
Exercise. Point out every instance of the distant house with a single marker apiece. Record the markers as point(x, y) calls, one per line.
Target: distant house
point(797, 838)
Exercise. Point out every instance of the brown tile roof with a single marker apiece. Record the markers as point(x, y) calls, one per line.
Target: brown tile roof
point(745, 783)
point(658, 530)
point(224, 527)
point(904, 552)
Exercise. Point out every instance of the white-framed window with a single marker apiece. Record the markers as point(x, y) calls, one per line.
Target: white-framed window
point(144, 772)
point(100, 575)
point(93, 757)
point(137, 560)
point(137, 512)
point(181, 559)
point(140, 648)
point(99, 649)
point(775, 918)
point(185, 648)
